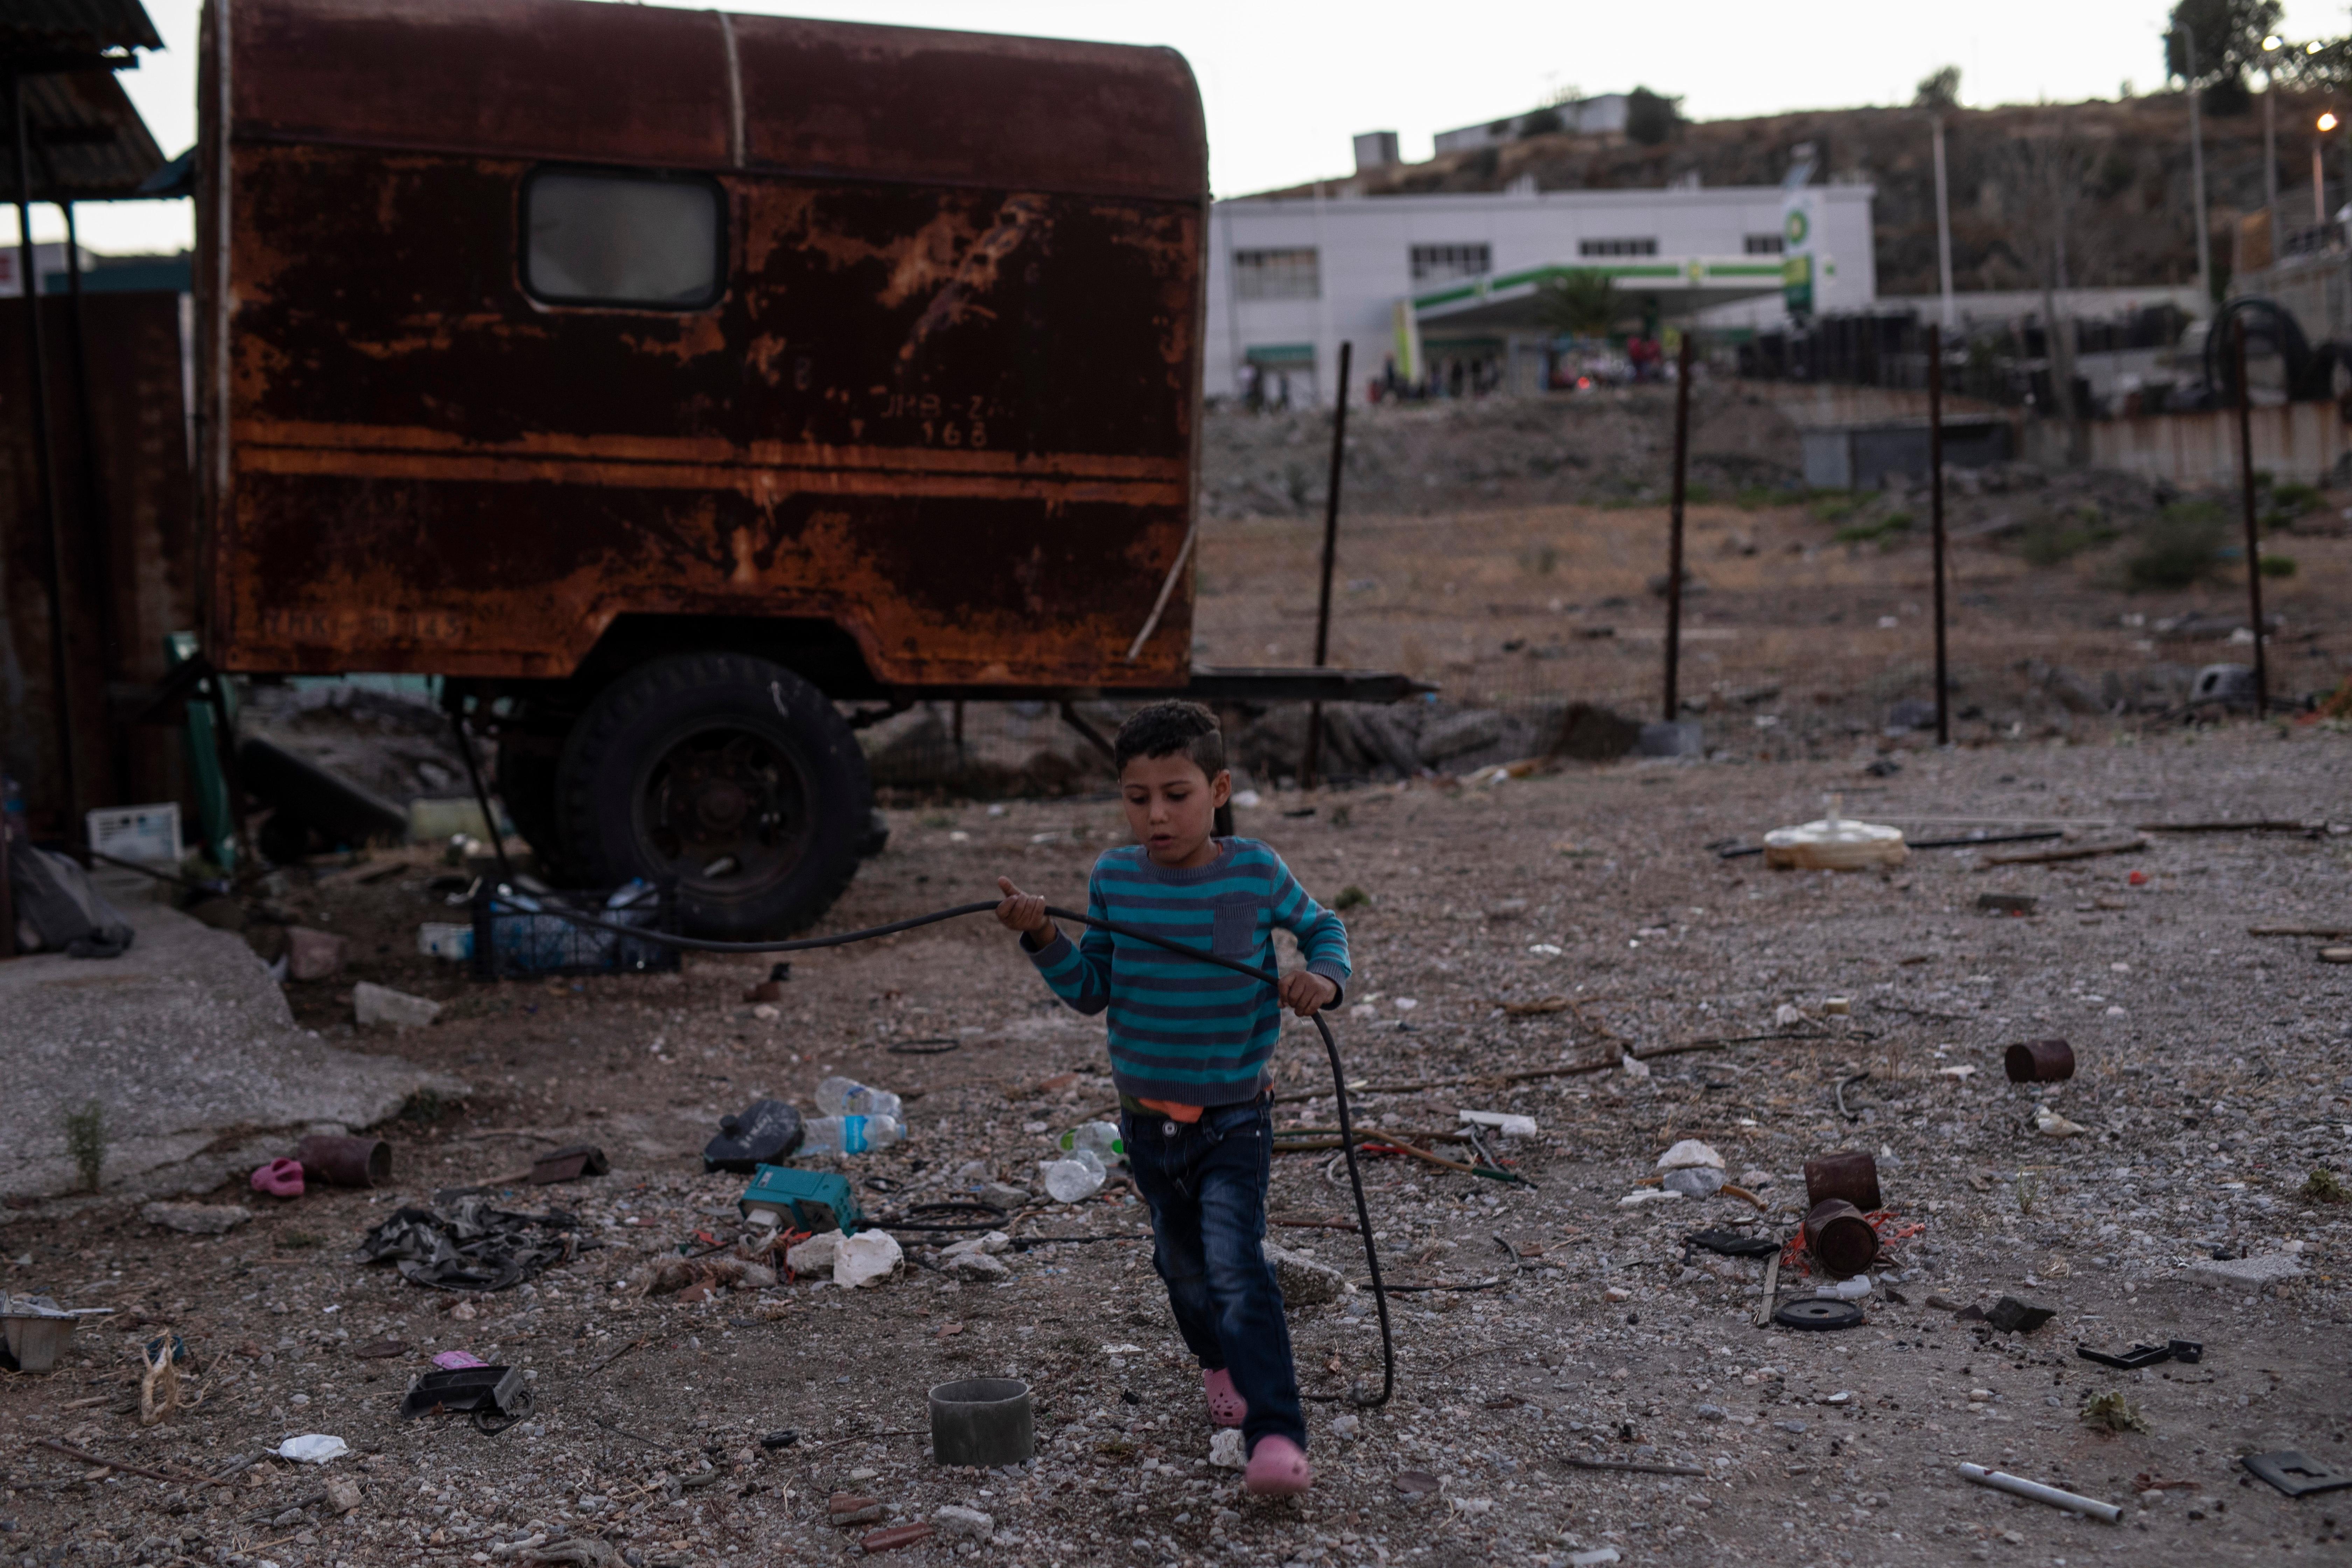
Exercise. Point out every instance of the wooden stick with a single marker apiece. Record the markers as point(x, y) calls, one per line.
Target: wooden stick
point(2070, 852)
point(1635, 1466)
point(124, 1466)
point(2299, 930)
point(1772, 1290)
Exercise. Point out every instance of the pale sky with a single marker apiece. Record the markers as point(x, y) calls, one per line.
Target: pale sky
point(1287, 82)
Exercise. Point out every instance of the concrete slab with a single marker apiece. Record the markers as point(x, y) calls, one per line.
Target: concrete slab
point(188, 1045)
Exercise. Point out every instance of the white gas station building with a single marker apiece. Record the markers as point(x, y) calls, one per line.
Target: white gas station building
point(1448, 277)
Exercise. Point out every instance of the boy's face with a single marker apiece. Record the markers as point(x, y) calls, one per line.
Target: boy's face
point(1171, 806)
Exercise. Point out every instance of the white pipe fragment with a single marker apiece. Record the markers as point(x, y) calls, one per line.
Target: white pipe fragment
point(2000, 1481)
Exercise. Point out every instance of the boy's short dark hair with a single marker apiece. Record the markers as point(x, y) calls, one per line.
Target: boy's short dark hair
point(1165, 729)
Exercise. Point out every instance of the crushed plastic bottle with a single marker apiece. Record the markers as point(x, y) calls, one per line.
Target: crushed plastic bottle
point(850, 1135)
point(1102, 1137)
point(848, 1097)
point(1080, 1176)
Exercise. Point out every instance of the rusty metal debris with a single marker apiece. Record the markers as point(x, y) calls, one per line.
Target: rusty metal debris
point(1840, 1240)
point(1850, 1175)
point(2039, 1061)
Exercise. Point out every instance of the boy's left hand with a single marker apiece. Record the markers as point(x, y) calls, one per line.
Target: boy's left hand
point(1307, 994)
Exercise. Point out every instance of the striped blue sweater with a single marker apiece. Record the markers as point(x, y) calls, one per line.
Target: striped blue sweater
point(1180, 1029)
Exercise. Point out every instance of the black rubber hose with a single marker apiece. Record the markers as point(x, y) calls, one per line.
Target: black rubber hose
point(1272, 977)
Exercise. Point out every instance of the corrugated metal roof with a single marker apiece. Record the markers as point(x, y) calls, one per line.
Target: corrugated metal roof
point(89, 143)
point(78, 26)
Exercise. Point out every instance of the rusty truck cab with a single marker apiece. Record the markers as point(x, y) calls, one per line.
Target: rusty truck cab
point(665, 378)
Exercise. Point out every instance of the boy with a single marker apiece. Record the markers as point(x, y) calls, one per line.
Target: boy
point(1189, 1046)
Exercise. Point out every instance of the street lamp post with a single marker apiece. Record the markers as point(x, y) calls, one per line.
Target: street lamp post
point(2271, 46)
point(2319, 171)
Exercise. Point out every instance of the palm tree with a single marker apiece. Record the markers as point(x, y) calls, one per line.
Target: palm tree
point(1579, 305)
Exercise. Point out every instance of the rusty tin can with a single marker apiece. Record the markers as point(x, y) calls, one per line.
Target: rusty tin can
point(1840, 1240)
point(1850, 1175)
point(345, 1162)
point(2039, 1061)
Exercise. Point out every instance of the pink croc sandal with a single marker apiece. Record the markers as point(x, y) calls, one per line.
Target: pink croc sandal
point(1277, 1467)
point(1226, 1407)
point(279, 1179)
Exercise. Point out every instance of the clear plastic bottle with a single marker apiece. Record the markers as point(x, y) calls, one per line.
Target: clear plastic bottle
point(1102, 1137)
point(1080, 1176)
point(848, 1097)
point(850, 1135)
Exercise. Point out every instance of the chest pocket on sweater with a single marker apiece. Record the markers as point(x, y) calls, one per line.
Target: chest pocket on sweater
point(1233, 926)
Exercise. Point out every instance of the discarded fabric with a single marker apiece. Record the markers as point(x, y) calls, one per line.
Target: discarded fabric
point(476, 1248)
point(1688, 1154)
point(312, 1448)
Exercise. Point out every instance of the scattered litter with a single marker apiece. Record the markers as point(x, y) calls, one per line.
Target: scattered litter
point(476, 1248)
point(312, 1448)
point(568, 1165)
point(816, 1255)
point(1226, 1452)
point(1075, 1179)
point(197, 1219)
point(279, 1179)
point(765, 1132)
point(1595, 1558)
point(2003, 1482)
point(1694, 1181)
point(2111, 1412)
point(2011, 1316)
point(496, 1396)
point(2140, 1355)
point(1634, 1200)
point(374, 1004)
point(457, 1361)
point(1818, 1312)
point(868, 1258)
point(1101, 1138)
point(337, 1161)
point(1834, 843)
point(784, 1437)
point(1964, 1070)
point(894, 1537)
point(2039, 1061)
point(2007, 904)
point(848, 1097)
point(1852, 1289)
point(851, 1134)
point(1850, 1176)
point(1507, 1123)
point(1689, 1152)
point(1839, 1239)
point(818, 1201)
point(1731, 1244)
point(2296, 1474)
point(2336, 955)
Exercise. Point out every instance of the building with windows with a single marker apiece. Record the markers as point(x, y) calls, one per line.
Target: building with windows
point(1428, 282)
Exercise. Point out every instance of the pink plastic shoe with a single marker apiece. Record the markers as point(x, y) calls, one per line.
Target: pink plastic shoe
point(279, 1179)
point(1226, 1407)
point(1277, 1467)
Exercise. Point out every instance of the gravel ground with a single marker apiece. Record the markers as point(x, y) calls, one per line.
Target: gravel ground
point(2216, 1074)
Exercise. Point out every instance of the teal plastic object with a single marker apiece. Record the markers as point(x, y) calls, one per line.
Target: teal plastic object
point(815, 1200)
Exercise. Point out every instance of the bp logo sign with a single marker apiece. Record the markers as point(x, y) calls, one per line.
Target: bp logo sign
point(1797, 227)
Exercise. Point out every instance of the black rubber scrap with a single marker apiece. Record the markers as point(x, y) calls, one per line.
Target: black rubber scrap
point(1819, 1312)
point(2011, 1316)
point(765, 1132)
point(1731, 1244)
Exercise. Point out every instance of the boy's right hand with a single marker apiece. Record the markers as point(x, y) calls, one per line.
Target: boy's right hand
point(1024, 912)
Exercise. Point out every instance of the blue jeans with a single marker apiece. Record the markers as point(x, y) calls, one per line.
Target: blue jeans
point(1205, 1182)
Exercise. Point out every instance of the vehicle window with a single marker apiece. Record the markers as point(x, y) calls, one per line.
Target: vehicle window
point(621, 239)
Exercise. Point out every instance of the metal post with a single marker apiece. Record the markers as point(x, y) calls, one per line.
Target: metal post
point(97, 553)
point(1936, 514)
point(1306, 773)
point(2196, 176)
point(2254, 543)
point(1943, 223)
point(43, 454)
point(1675, 529)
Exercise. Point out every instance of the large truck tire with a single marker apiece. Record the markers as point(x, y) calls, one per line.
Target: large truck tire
point(731, 774)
